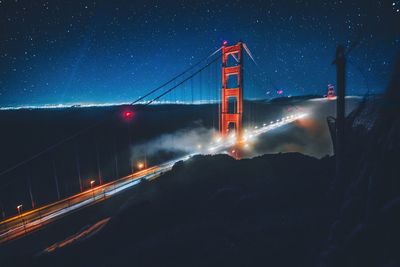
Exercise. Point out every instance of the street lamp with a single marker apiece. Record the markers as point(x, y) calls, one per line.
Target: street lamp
point(19, 208)
point(140, 165)
point(91, 187)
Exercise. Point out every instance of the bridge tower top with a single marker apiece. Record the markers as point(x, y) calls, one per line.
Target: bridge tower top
point(232, 90)
point(331, 91)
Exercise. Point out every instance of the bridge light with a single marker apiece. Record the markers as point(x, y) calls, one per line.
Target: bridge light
point(19, 207)
point(140, 165)
point(91, 187)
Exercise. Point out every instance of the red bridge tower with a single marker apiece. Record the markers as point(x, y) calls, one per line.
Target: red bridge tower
point(331, 91)
point(232, 90)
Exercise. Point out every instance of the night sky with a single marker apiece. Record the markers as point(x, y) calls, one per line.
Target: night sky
point(54, 52)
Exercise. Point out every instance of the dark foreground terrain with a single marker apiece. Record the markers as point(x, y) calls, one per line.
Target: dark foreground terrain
point(209, 211)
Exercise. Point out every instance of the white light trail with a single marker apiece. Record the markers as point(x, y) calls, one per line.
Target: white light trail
point(18, 227)
point(251, 134)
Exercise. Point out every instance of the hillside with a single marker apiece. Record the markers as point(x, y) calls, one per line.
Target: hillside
point(213, 210)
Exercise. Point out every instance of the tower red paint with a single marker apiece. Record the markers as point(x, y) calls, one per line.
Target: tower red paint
point(331, 91)
point(232, 111)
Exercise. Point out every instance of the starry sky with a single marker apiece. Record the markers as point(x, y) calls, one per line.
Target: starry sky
point(62, 52)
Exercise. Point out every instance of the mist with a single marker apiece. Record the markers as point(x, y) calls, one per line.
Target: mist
point(171, 145)
point(309, 135)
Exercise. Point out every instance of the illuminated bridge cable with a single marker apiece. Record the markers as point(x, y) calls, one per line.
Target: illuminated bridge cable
point(84, 130)
point(186, 79)
point(180, 83)
point(49, 148)
point(249, 53)
point(176, 77)
point(259, 68)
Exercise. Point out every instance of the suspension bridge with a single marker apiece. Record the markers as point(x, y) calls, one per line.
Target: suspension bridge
point(224, 82)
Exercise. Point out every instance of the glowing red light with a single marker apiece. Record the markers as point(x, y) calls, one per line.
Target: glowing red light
point(128, 114)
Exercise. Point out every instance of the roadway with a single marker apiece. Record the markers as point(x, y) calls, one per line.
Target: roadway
point(35, 219)
point(32, 220)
